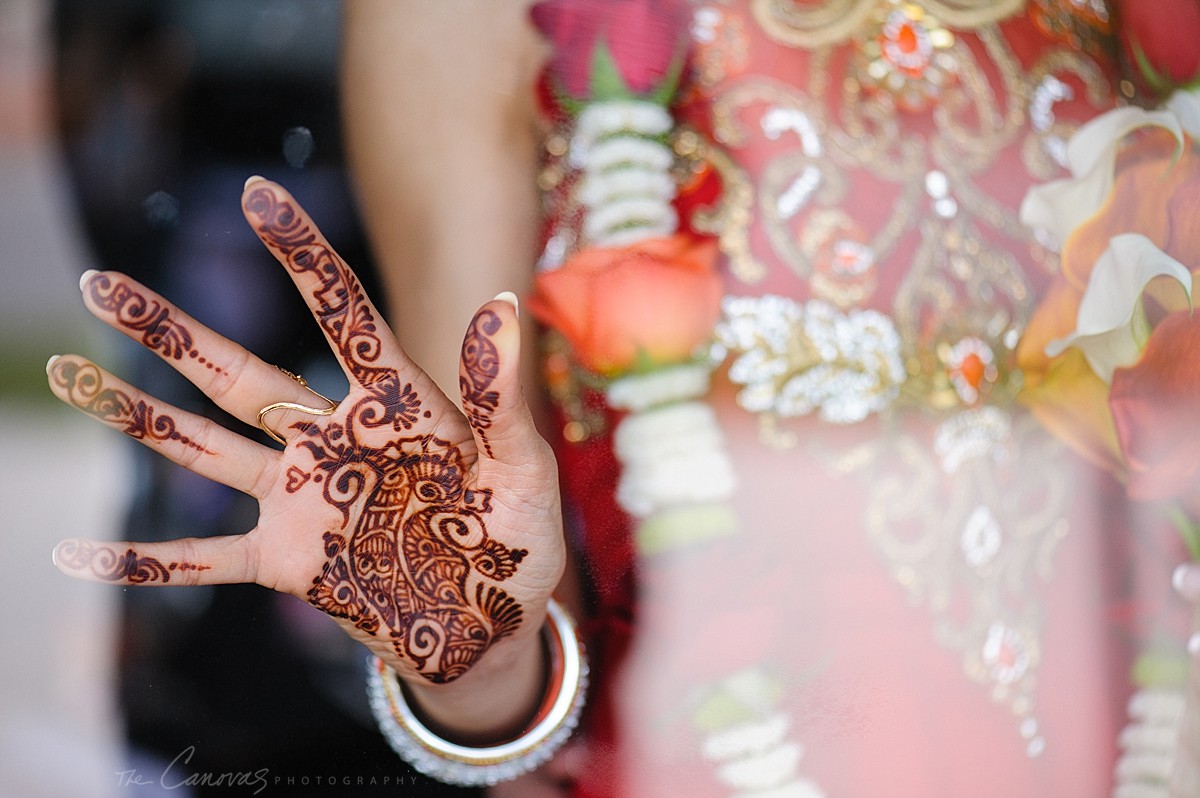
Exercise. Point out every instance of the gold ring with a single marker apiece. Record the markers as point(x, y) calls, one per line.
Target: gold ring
point(312, 411)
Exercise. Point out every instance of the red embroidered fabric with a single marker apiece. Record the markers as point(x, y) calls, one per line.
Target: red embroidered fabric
point(924, 613)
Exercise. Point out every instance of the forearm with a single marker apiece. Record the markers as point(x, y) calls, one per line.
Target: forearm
point(439, 115)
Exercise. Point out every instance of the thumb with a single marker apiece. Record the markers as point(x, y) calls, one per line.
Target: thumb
point(490, 383)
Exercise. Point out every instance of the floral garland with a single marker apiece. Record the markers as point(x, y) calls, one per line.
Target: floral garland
point(638, 302)
point(638, 299)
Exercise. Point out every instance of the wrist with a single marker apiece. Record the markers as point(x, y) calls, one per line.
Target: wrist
point(494, 700)
point(453, 762)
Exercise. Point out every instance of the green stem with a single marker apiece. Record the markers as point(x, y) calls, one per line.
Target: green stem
point(1189, 530)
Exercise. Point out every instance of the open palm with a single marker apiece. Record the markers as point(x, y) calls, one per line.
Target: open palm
point(427, 532)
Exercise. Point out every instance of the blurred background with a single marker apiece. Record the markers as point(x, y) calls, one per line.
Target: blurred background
point(126, 131)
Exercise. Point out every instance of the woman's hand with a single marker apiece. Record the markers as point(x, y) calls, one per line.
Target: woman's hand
point(430, 534)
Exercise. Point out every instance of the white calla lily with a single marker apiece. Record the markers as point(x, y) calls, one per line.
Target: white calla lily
point(1060, 206)
point(1105, 329)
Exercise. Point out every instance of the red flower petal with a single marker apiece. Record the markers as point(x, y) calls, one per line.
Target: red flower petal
point(643, 37)
point(1167, 31)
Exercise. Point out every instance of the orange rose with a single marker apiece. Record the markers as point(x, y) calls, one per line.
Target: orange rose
point(633, 308)
point(1156, 406)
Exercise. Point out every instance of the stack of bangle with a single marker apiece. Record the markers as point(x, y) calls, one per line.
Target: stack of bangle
point(465, 766)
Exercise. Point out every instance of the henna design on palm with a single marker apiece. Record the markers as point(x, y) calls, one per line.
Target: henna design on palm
point(418, 565)
point(419, 562)
point(382, 513)
point(84, 386)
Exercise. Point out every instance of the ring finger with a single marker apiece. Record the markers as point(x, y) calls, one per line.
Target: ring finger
point(190, 440)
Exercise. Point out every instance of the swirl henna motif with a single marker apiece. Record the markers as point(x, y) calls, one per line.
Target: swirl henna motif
point(416, 563)
point(344, 312)
point(84, 386)
point(105, 563)
point(160, 331)
point(481, 364)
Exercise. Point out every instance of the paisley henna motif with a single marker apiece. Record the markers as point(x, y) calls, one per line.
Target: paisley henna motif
point(481, 364)
point(419, 564)
point(84, 386)
point(413, 560)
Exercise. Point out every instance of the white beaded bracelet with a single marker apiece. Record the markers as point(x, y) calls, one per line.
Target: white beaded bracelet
point(475, 767)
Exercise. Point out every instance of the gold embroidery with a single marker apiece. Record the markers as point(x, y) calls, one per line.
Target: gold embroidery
point(958, 287)
point(968, 530)
point(1044, 149)
point(964, 526)
point(722, 47)
point(906, 53)
point(813, 26)
point(730, 218)
point(961, 282)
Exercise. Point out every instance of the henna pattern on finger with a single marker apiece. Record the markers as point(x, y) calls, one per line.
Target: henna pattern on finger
point(105, 563)
point(342, 309)
point(481, 364)
point(85, 391)
point(160, 331)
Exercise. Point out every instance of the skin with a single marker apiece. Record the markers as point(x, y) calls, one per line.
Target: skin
point(442, 141)
point(431, 536)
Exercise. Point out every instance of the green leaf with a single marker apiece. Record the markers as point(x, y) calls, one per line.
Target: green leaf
point(1139, 324)
point(664, 93)
point(1160, 669)
point(1157, 80)
point(605, 81)
point(572, 105)
point(1189, 530)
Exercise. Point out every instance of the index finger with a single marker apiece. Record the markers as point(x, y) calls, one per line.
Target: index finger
point(353, 326)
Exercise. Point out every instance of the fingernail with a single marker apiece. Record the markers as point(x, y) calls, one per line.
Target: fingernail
point(83, 279)
point(50, 362)
point(54, 556)
point(510, 298)
point(1186, 580)
point(251, 179)
point(1193, 645)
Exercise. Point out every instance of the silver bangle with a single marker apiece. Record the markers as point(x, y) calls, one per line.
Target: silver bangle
point(476, 767)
